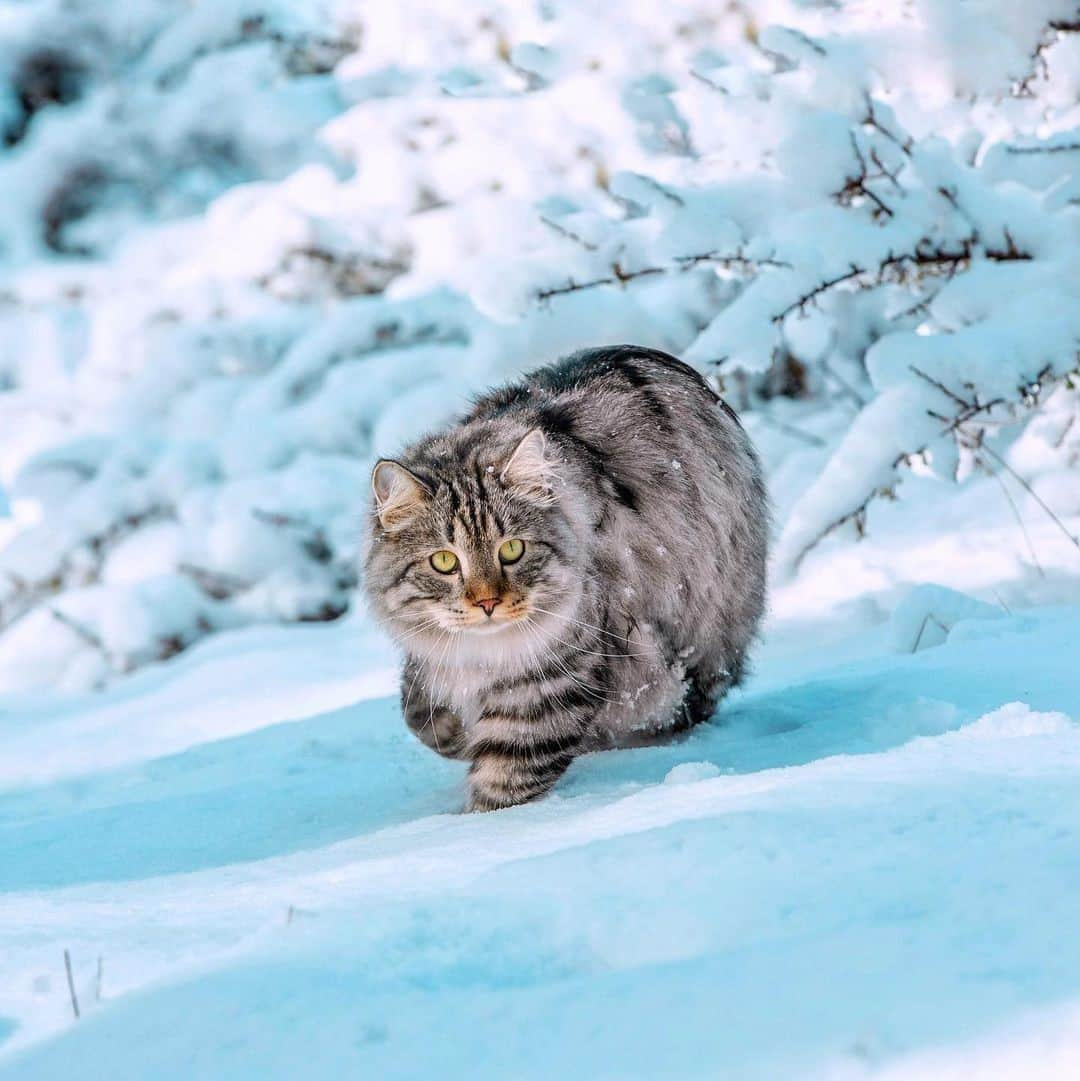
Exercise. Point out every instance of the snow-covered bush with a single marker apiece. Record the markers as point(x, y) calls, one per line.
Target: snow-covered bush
point(246, 246)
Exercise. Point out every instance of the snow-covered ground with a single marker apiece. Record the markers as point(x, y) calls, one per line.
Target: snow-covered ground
point(246, 246)
point(867, 867)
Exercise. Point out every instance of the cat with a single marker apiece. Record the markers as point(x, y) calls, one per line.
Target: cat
point(577, 564)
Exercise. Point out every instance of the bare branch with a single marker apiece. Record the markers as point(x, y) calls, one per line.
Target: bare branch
point(842, 383)
point(708, 82)
point(91, 638)
point(71, 985)
point(990, 471)
point(1010, 253)
point(857, 515)
point(940, 386)
point(971, 440)
point(885, 172)
point(928, 618)
point(312, 538)
point(1075, 541)
point(790, 429)
point(619, 276)
point(971, 412)
point(569, 234)
point(871, 120)
point(661, 189)
point(1051, 33)
point(897, 269)
point(808, 298)
point(216, 584)
point(1060, 148)
point(855, 186)
point(1060, 441)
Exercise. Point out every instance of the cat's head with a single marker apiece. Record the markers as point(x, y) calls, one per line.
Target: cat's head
point(471, 544)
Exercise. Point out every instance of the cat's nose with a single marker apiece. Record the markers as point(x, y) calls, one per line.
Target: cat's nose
point(487, 603)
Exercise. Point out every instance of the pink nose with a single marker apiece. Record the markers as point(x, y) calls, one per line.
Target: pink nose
point(488, 603)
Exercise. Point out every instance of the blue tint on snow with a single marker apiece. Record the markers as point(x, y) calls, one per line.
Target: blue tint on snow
point(287, 787)
point(841, 872)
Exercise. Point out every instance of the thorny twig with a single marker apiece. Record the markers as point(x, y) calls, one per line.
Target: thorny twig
point(967, 409)
point(1050, 34)
point(871, 120)
point(620, 276)
point(974, 441)
point(1060, 148)
point(1010, 253)
point(857, 516)
point(937, 383)
point(855, 186)
point(903, 268)
point(885, 171)
point(952, 424)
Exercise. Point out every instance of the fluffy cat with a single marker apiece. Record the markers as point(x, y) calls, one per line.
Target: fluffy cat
point(578, 563)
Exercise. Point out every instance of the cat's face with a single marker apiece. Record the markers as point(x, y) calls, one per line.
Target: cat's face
point(480, 556)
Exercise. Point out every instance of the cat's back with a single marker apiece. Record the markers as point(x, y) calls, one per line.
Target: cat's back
point(576, 388)
point(643, 420)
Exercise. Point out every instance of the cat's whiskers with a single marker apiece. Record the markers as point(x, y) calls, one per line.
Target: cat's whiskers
point(432, 623)
point(582, 649)
point(582, 623)
point(416, 675)
point(412, 687)
point(443, 658)
point(600, 630)
point(549, 654)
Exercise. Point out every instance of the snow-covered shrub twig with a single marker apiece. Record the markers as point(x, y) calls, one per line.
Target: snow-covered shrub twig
point(245, 247)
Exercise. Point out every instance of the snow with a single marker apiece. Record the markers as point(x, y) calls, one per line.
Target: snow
point(247, 248)
point(877, 855)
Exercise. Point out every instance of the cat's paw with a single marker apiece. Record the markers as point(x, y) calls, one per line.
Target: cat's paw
point(441, 730)
point(477, 802)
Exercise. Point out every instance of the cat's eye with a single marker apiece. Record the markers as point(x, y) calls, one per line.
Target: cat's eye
point(444, 562)
point(511, 551)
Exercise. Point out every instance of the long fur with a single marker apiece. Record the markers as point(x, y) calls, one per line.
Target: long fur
point(643, 511)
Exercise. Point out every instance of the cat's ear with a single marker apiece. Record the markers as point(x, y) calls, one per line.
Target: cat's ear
point(398, 494)
point(529, 468)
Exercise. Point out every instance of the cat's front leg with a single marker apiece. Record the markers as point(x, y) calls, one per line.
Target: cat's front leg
point(516, 759)
point(437, 726)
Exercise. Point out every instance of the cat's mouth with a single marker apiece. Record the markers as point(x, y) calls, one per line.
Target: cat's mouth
point(496, 622)
point(489, 626)
point(499, 620)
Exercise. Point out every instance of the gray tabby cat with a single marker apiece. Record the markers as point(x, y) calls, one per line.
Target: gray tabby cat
point(578, 563)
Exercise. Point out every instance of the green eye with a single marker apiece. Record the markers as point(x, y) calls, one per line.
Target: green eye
point(511, 551)
point(444, 562)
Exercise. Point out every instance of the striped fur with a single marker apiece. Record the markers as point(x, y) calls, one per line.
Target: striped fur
point(643, 513)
